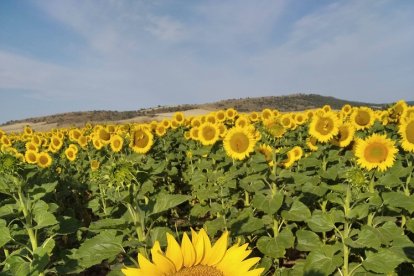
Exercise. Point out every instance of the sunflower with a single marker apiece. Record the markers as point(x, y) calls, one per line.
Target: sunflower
point(211, 118)
point(242, 121)
point(398, 110)
point(141, 140)
point(71, 154)
point(239, 143)
point(220, 115)
point(5, 141)
point(83, 141)
point(179, 117)
point(346, 109)
point(195, 133)
point(44, 160)
point(376, 151)
point(344, 136)
point(300, 119)
point(286, 120)
point(406, 131)
point(275, 128)
point(166, 123)
point(95, 165)
point(28, 130)
point(231, 113)
point(196, 122)
point(55, 143)
point(31, 146)
point(74, 134)
point(267, 152)
point(290, 159)
point(312, 143)
point(160, 130)
point(327, 108)
point(324, 126)
point(297, 152)
point(30, 156)
point(254, 116)
point(362, 118)
point(267, 114)
point(116, 143)
point(196, 257)
point(104, 136)
point(208, 133)
point(97, 144)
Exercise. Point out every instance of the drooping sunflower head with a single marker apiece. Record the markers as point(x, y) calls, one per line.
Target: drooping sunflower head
point(141, 140)
point(362, 118)
point(406, 131)
point(267, 151)
point(324, 126)
point(312, 143)
point(44, 160)
point(196, 257)
point(376, 152)
point(239, 143)
point(208, 133)
point(344, 136)
point(398, 110)
point(116, 143)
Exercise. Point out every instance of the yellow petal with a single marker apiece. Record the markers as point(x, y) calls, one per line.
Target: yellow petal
point(199, 248)
point(174, 252)
point(207, 245)
point(194, 236)
point(132, 271)
point(189, 254)
point(218, 250)
point(247, 264)
point(162, 262)
point(230, 264)
point(147, 267)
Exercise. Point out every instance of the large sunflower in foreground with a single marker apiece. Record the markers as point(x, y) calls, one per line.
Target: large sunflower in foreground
point(239, 143)
point(141, 140)
point(324, 126)
point(406, 130)
point(376, 152)
point(196, 257)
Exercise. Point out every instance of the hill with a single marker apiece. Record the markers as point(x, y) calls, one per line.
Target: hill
point(294, 102)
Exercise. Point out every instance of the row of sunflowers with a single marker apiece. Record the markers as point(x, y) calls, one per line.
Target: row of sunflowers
point(315, 192)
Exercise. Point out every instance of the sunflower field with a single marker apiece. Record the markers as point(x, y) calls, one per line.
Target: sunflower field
point(316, 192)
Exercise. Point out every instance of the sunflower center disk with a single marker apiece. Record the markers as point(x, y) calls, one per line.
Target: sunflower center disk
point(376, 153)
point(410, 132)
point(239, 143)
point(199, 270)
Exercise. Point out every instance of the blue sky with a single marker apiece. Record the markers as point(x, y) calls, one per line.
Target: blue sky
point(62, 56)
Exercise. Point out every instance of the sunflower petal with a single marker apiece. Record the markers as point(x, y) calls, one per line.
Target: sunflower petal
point(174, 252)
point(188, 251)
point(164, 264)
point(218, 250)
point(147, 267)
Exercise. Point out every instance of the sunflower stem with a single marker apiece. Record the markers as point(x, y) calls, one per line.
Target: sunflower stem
point(371, 187)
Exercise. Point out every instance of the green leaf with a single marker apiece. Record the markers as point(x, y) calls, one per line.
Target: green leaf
point(297, 212)
point(105, 245)
point(168, 201)
point(68, 225)
point(18, 266)
point(318, 262)
point(246, 224)
point(399, 200)
point(199, 210)
point(307, 240)
point(385, 261)
point(268, 204)
point(159, 234)
point(4, 235)
point(7, 209)
point(271, 247)
point(42, 217)
point(39, 191)
point(213, 226)
point(41, 256)
point(320, 222)
point(108, 223)
point(367, 238)
point(389, 231)
point(359, 211)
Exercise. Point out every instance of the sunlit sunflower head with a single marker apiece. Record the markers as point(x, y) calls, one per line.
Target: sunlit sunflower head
point(267, 152)
point(286, 120)
point(327, 108)
point(28, 130)
point(344, 136)
point(220, 115)
point(211, 118)
point(406, 131)
point(254, 116)
point(5, 140)
point(242, 121)
point(297, 152)
point(116, 143)
point(55, 143)
point(239, 143)
point(324, 127)
point(266, 114)
point(195, 133)
point(187, 135)
point(222, 130)
point(346, 109)
point(104, 136)
point(141, 140)
point(312, 143)
point(179, 117)
point(300, 118)
point(83, 141)
point(196, 257)
point(31, 146)
point(274, 127)
point(160, 130)
point(36, 139)
point(376, 152)
point(290, 159)
point(97, 144)
point(44, 160)
point(71, 154)
point(94, 165)
point(208, 133)
point(398, 110)
point(362, 118)
point(166, 123)
point(231, 113)
point(30, 156)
